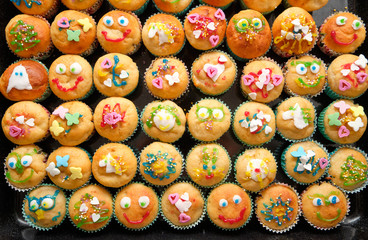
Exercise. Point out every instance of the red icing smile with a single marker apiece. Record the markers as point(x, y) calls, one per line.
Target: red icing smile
point(233, 220)
point(125, 34)
point(333, 36)
point(61, 88)
point(138, 221)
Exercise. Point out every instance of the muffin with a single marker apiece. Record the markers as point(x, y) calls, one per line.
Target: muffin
point(205, 27)
point(295, 119)
point(229, 206)
point(308, 5)
point(163, 35)
point(44, 207)
point(294, 32)
point(115, 75)
point(25, 123)
point(167, 78)
point(182, 205)
point(115, 118)
point(262, 6)
point(25, 80)
point(254, 123)
point(324, 206)
point(90, 208)
point(208, 119)
point(136, 206)
point(343, 122)
point(114, 165)
point(90, 6)
point(25, 167)
point(173, 6)
point(70, 77)
point(73, 32)
point(255, 169)
point(119, 32)
point(29, 37)
point(69, 167)
point(44, 8)
point(213, 72)
point(223, 4)
point(163, 120)
point(160, 163)
point(208, 164)
point(137, 6)
point(248, 35)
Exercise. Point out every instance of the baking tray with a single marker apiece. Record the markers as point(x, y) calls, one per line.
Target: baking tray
point(13, 226)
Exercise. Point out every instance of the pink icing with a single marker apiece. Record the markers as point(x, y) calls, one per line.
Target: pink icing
point(192, 18)
point(173, 198)
point(248, 80)
point(277, 79)
point(157, 82)
point(106, 63)
point(343, 132)
point(323, 162)
point(342, 106)
point(63, 22)
point(211, 72)
point(112, 118)
point(219, 14)
point(183, 218)
point(214, 39)
point(361, 76)
point(344, 85)
point(15, 131)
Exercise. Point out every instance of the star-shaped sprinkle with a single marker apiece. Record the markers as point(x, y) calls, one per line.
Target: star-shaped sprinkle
point(73, 35)
point(72, 118)
point(85, 23)
point(62, 161)
point(76, 173)
point(60, 111)
point(334, 119)
point(56, 129)
point(358, 111)
point(342, 106)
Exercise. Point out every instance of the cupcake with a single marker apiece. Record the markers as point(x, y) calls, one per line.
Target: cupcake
point(119, 32)
point(25, 167)
point(69, 167)
point(90, 6)
point(277, 208)
point(262, 6)
point(205, 27)
point(25, 123)
point(173, 6)
point(167, 78)
point(347, 75)
point(182, 205)
point(208, 164)
point(255, 169)
point(137, 6)
point(223, 4)
point(295, 119)
point(25, 80)
point(213, 72)
point(116, 118)
point(73, 32)
point(262, 80)
point(136, 206)
point(115, 75)
point(294, 32)
point(44, 207)
point(248, 35)
point(324, 206)
point(114, 165)
point(44, 8)
point(90, 208)
point(229, 207)
point(163, 35)
point(305, 162)
point(160, 163)
point(208, 119)
point(342, 32)
point(254, 123)
point(343, 122)
point(71, 123)
point(349, 169)
point(308, 5)
point(70, 77)
point(163, 120)
point(305, 76)
point(29, 37)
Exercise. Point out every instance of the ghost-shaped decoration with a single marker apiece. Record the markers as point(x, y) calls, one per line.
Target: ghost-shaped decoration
point(19, 79)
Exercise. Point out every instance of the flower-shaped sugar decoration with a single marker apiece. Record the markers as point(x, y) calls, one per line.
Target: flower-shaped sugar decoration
point(299, 115)
point(63, 22)
point(358, 111)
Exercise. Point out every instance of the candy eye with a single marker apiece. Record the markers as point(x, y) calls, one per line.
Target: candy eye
point(123, 21)
point(26, 160)
point(301, 69)
point(223, 203)
point(75, 68)
point(203, 113)
point(237, 199)
point(243, 24)
point(33, 205)
point(356, 24)
point(125, 202)
point(334, 199)
point(108, 21)
point(317, 202)
point(257, 23)
point(217, 114)
point(60, 68)
point(143, 201)
point(314, 68)
point(11, 162)
point(47, 203)
point(341, 20)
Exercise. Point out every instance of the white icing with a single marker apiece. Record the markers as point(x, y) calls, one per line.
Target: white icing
point(108, 21)
point(237, 199)
point(75, 68)
point(19, 79)
point(162, 37)
point(301, 69)
point(123, 21)
point(355, 25)
point(125, 201)
point(164, 120)
point(107, 163)
point(297, 116)
point(223, 203)
point(203, 113)
point(220, 69)
point(26, 160)
point(258, 169)
point(217, 114)
point(60, 68)
point(259, 23)
point(143, 201)
point(183, 204)
point(341, 20)
point(11, 162)
point(52, 170)
point(314, 68)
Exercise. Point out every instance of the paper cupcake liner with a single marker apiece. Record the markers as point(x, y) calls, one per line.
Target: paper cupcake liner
point(245, 7)
point(334, 95)
point(222, 7)
point(53, 10)
point(236, 57)
point(177, 14)
point(91, 10)
point(139, 11)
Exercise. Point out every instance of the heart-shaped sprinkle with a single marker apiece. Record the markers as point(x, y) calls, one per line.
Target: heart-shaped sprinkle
point(83, 208)
point(361, 77)
point(15, 131)
point(269, 87)
point(183, 218)
point(211, 72)
point(252, 95)
point(183, 206)
point(20, 119)
point(185, 197)
point(219, 14)
point(108, 82)
point(344, 85)
point(308, 37)
point(354, 67)
point(123, 74)
point(343, 132)
point(268, 129)
point(323, 162)
point(95, 217)
point(214, 39)
point(259, 85)
point(277, 79)
point(211, 26)
point(362, 61)
point(304, 29)
point(289, 36)
point(248, 80)
point(345, 72)
point(222, 59)
point(106, 63)
point(95, 201)
point(197, 33)
point(30, 122)
point(192, 18)
point(157, 82)
point(173, 198)
point(63, 22)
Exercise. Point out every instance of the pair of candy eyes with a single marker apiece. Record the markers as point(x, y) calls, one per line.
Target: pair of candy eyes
point(256, 23)
point(236, 199)
point(109, 21)
point(25, 161)
point(318, 201)
point(143, 202)
point(75, 68)
point(46, 203)
point(341, 21)
point(19, 74)
point(203, 113)
point(301, 69)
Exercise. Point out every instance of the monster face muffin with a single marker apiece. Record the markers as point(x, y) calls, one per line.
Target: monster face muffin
point(25, 80)
point(229, 206)
point(90, 208)
point(164, 121)
point(208, 164)
point(115, 118)
point(114, 165)
point(248, 35)
point(262, 6)
point(205, 27)
point(213, 72)
point(255, 169)
point(28, 36)
point(173, 6)
point(160, 163)
point(70, 77)
point(115, 75)
point(90, 6)
point(69, 167)
point(254, 123)
point(137, 6)
point(45, 8)
point(163, 35)
point(119, 32)
point(208, 119)
point(25, 167)
point(25, 123)
point(136, 206)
